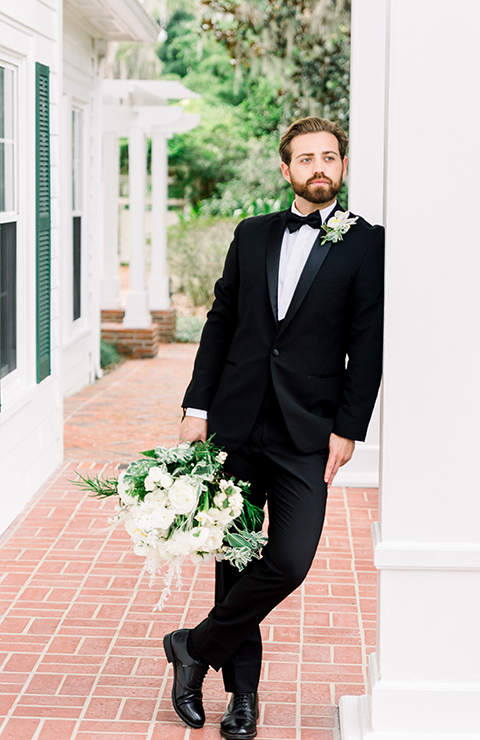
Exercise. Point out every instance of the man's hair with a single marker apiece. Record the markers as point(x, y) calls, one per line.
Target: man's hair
point(311, 125)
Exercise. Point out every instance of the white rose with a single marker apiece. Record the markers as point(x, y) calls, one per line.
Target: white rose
point(182, 496)
point(155, 498)
point(214, 538)
point(161, 477)
point(149, 484)
point(178, 545)
point(162, 518)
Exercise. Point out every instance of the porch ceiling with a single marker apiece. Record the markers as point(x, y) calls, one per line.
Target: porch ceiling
point(115, 20)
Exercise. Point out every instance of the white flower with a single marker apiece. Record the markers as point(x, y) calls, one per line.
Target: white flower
point(220, 498)
point(337, 226)
point(200, 557)
point(156, 498)
point(221, 516)
point(236, 502)
point(162, 518)
point(206, 539)
point(160, 476)
point(179, 544)
point(182, 496)
point(149, 484)
point(221, 457)
point(204, 517)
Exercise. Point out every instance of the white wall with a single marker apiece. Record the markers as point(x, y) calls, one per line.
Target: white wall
point(81, 83)
point(425, 675)
point(31, 414)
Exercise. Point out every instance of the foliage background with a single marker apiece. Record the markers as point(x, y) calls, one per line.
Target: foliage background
point(258, 65)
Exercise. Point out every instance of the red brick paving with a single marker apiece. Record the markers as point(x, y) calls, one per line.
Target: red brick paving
point(80, 649)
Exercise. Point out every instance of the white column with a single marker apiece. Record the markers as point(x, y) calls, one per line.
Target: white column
point(365, 177)
point(110, 281)
point(137, 315)
point(425, 675)
point(158, 284)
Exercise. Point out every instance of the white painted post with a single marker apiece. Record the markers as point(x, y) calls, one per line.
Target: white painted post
point(110, 281)
point(137, 315)
point(365, 178)
point(425, 675)
point(158, 284)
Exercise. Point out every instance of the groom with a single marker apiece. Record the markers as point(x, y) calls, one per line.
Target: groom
point(286, 377)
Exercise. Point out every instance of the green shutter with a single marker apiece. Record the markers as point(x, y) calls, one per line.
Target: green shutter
point(43, 221)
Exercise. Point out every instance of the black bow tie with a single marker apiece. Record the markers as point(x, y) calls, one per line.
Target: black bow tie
point(295, 222)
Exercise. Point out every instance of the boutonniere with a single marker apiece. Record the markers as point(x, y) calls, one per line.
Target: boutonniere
point(337, 226)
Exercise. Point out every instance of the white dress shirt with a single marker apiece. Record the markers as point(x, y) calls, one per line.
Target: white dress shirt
point(296, 247)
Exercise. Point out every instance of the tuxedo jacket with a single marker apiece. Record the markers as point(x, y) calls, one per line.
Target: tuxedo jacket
point(324, 359)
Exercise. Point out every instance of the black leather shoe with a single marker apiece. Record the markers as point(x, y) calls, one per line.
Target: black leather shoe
point(240, 720)
point(188, 675)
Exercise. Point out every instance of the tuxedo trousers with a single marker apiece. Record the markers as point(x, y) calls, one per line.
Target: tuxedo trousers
point(292, 484)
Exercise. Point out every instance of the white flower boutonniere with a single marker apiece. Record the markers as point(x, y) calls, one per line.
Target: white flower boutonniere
point(337, 226)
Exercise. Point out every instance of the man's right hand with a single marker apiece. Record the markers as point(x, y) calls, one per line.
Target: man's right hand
point(193, 430)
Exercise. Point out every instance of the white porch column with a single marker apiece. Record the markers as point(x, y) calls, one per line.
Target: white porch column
point(425, 676)
point(158, 284)
point(109, 281)
point(365, 178)
point(137, 315)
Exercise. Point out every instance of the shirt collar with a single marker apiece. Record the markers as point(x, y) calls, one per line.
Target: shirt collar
point(324, 212)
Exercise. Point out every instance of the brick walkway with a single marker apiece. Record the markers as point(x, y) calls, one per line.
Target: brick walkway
point(80, 647)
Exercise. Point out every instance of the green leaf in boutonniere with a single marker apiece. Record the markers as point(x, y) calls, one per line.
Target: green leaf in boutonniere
point(337, 226)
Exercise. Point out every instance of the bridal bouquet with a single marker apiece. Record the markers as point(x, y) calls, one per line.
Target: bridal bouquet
point(177, 502)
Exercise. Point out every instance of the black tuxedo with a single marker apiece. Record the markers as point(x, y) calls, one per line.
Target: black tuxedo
point(336, 311)
point(274, 392)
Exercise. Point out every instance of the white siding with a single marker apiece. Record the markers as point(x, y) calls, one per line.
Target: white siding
point(31, 415)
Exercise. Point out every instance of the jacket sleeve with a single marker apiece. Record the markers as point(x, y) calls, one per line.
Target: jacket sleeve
point(217, 334)
point(364, 346)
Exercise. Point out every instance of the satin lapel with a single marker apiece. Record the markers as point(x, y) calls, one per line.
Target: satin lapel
point(312, 266)
point(274, 246)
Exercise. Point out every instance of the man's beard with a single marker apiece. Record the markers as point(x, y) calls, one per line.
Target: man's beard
point(316, 193)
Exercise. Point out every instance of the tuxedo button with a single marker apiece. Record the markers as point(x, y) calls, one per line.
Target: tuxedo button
point(275, 352)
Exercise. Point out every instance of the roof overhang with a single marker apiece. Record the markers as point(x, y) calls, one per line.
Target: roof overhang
point(115, 20)
point(145, 92)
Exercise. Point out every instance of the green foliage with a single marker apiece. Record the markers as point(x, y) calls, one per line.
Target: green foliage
point(109, 356)
point(188, 329)
point(196, 252)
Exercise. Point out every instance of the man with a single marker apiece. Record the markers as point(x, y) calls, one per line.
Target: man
point(286, 377)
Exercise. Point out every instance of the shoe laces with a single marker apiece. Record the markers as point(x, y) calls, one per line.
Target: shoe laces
point(241, 701)
point(200, 674)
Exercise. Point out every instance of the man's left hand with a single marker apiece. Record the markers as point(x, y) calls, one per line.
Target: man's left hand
point(341, 450)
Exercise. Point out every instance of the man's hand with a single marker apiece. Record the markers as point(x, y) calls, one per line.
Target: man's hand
point(341, 450)
point(192, 430)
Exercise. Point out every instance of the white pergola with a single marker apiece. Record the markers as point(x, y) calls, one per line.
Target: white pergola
point(138, 109)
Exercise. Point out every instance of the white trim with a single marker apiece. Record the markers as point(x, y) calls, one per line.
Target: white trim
point(424, 555)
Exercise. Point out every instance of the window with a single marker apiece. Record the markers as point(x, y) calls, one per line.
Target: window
point(77, 210)
point(8, 223)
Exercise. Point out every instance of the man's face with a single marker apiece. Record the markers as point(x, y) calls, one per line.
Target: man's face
point(316, 170)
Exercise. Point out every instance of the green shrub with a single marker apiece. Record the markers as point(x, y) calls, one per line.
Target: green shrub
point(108, 355)
point(196, 253)
point(188, 329)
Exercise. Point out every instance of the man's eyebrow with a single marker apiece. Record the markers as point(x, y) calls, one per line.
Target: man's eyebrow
point(311, 154)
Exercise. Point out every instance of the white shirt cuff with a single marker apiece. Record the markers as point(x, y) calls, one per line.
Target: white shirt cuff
point(197, 413)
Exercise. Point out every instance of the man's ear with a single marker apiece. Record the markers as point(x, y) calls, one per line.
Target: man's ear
point(285, 171)
point(345, 162)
